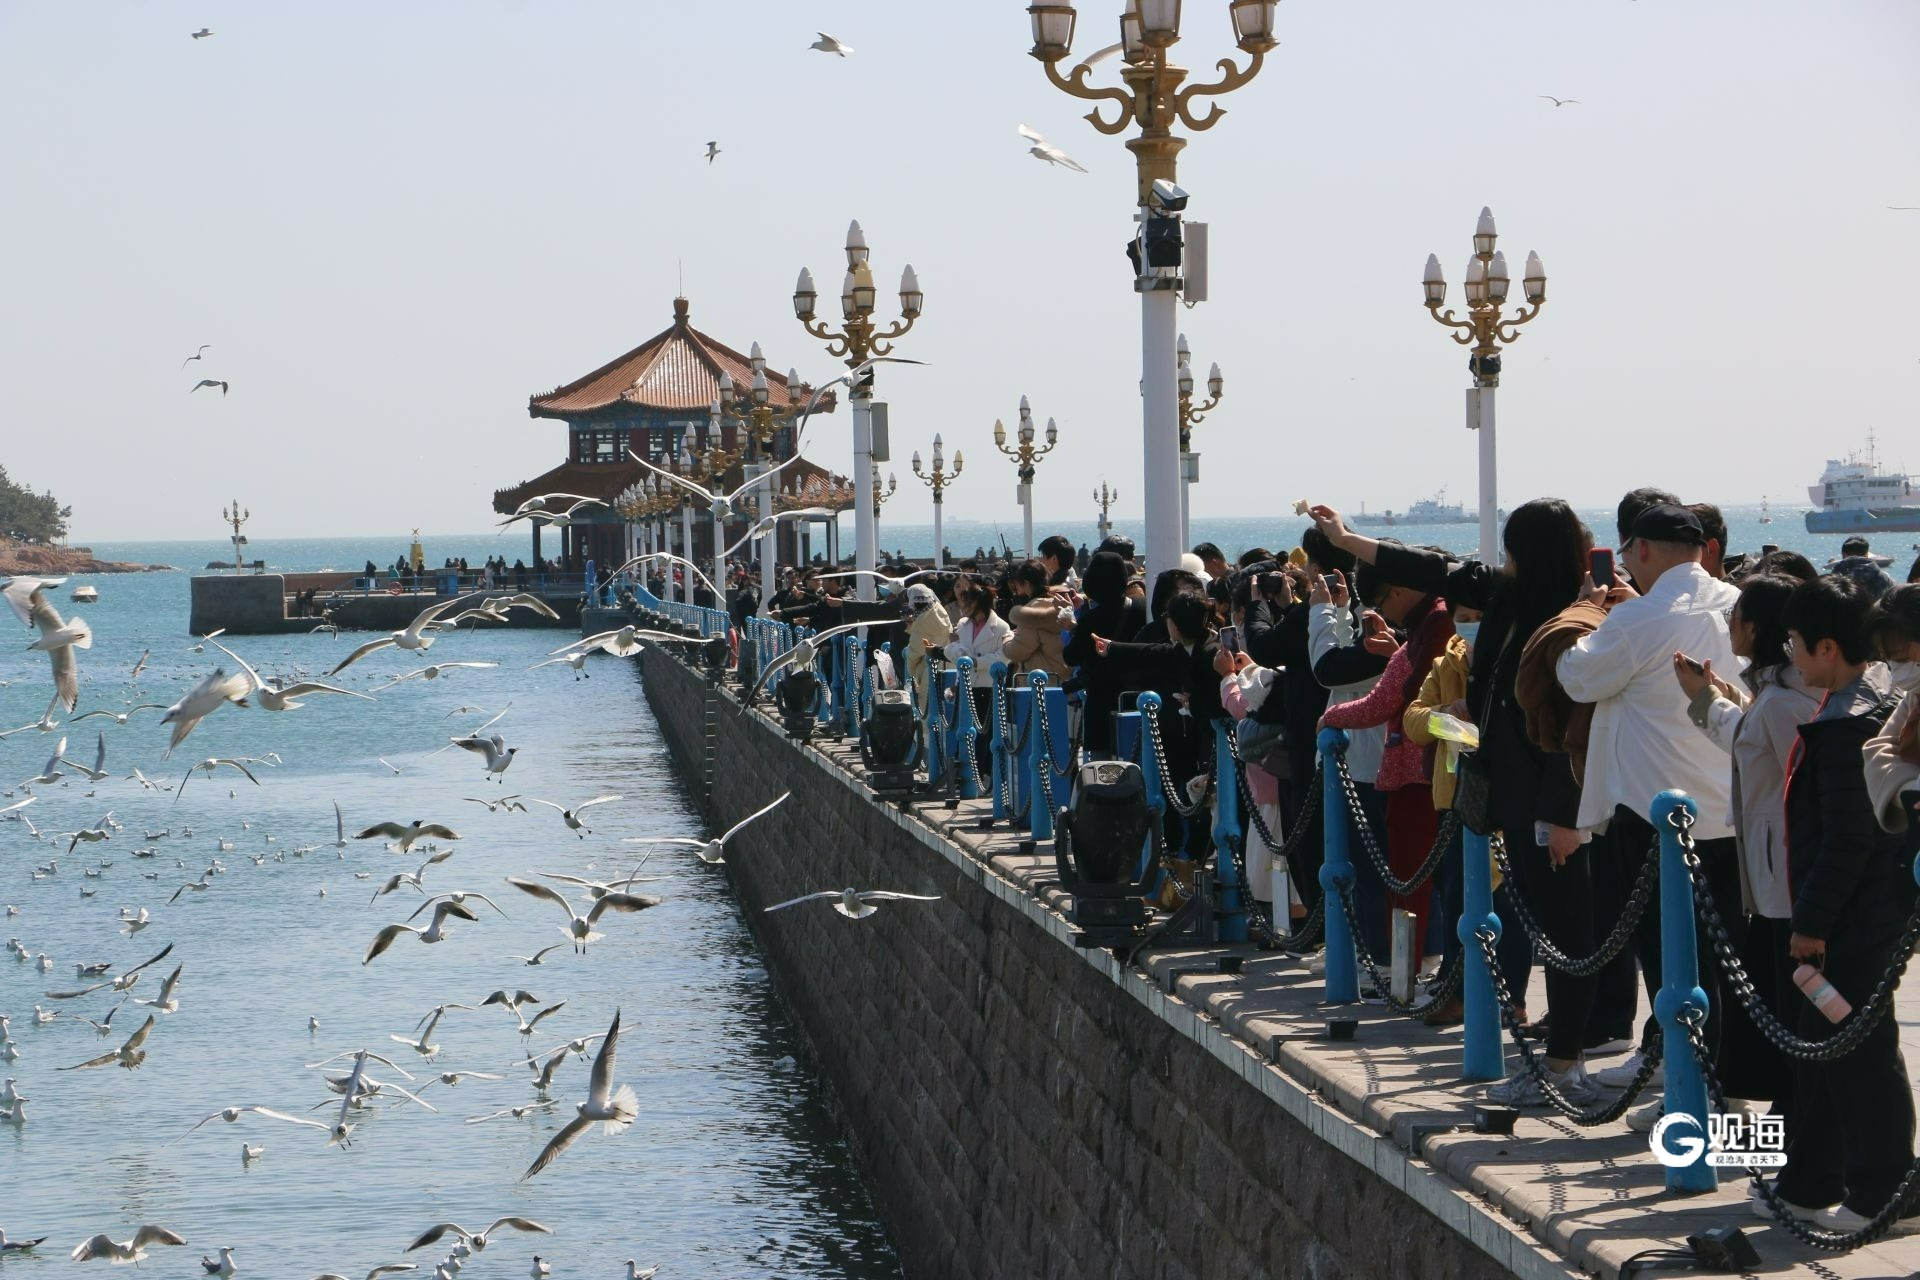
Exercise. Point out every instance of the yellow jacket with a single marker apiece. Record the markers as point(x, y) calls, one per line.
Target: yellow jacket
point(1445, 684)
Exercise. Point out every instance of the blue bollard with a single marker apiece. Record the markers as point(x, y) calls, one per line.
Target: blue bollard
point(965, 730)
point(1483, 1053)
point(1227, 826)
point(1343, 976)
point(1002, 761)
point(1679, 988)
point(1020, 707)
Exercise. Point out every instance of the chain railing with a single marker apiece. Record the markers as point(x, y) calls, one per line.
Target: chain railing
point(1150, 725)
point(1449, 827)
point(1622, 933)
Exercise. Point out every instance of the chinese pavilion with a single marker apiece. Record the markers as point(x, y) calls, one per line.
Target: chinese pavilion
point(645, 401)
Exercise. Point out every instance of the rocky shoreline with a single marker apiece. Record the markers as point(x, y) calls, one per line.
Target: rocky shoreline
point(54, 562)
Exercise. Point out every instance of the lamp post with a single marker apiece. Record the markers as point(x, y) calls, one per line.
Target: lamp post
point(858, 338)
point(1026, 456)
point(881, 493)
point(1106, 498)
point(1191, 415)
point(235, 516)
point(1486, 332)
point(718, 462)
point(753, 410)
point(939, 480)
point(1154, 99)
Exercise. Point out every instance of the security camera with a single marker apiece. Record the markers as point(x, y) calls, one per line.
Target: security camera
point(1166, 196)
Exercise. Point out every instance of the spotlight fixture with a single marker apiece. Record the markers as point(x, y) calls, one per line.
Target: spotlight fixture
point(890, 743)
point(1098, 840)
point(798, 696)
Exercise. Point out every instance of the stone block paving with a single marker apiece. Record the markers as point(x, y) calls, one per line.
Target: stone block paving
point(1592, 1196)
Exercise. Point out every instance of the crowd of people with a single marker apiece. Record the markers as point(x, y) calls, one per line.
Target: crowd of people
point(1781, 698)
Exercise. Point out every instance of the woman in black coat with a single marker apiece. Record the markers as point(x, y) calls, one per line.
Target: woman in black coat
point(1106, 613)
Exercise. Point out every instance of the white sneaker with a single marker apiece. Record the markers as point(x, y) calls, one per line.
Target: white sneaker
point(1620, 1075)
point(1764, 1211)
point(1521, 1089)
point(1643, 1117)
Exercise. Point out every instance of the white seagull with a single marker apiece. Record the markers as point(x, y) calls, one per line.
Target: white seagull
point(58, 639)
point(1044, 150)
point(231, 1114)
point(435, 932)
point(478, 1239)
point(134, 1250)
point(856, 904)
point(493, 747)
point(208, 766)
point(121, 717)
point(558, 519)
point(223, 1265)
point(98, 772)
point(711, 851)
point(1559, 102)
point(416, 635)
point(410, 833)
point(19, 1246)
point(827, 44)
point(613, 1109)
point(207, 382)
point(129, 1055)
point(49, 772)
point(201, 353)
point(572, 817)
point(580, 927)
point(274, 696)
point(202, 701)
point(384, 1268)
point(165, 1001)
point(800, 657)
point(45, 724)
point(433, 672)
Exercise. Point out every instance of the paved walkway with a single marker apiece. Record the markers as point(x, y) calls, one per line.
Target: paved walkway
point(1592, 1196)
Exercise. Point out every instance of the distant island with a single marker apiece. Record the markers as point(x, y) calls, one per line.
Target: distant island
point(32, 529)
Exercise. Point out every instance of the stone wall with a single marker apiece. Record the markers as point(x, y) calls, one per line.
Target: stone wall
point(1020, 1113)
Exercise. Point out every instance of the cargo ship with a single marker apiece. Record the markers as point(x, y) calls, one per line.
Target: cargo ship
point(1857, 495)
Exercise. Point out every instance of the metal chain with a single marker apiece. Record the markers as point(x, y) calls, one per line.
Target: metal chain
point(1308, 811)
point(1308, 935)
point(1444, 990)
point(1151, 723)
point(970, 748)
point(1851, 1033)
point(1449, 825)
point(1001, 737)
point(1643, 890)
point(1164, 862)
point(1535, 1061)
point(1046, 748)
point(1693, 1023)
point(1267, 928)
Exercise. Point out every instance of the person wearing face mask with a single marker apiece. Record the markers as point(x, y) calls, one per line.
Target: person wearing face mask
point(1756, 721)
point(1893, 755)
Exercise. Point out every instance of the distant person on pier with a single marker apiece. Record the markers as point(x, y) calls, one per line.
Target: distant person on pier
point(1857, 563)
point(1080, 559)
point(520, 575)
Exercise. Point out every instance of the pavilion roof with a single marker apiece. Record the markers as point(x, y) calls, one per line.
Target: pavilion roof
point(676, 370)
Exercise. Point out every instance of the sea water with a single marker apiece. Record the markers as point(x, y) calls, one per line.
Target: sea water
point(735, 1166)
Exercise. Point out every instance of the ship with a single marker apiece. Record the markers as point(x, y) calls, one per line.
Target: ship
point(1434, 510)
point(1857, 495)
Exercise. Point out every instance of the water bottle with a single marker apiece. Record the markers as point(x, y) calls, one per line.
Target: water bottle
point(1825, 998)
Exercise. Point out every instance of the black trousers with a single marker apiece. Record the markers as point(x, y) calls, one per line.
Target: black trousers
point(1561, 902)
point(1850, 1134)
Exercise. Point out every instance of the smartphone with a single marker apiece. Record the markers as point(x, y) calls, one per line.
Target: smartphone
point(1230, 639)
point(1332, 580)
point(1600, 565)
point(1693, 665)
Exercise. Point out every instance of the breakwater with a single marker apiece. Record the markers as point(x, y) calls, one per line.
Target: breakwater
point(1025, 1108)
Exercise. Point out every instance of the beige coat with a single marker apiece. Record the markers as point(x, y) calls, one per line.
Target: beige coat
point(1893, 763)
point(932, 625)
point(1037, 639)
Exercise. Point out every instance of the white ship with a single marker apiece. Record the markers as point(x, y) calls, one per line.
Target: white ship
point(1434, 510)
point(1855, 495)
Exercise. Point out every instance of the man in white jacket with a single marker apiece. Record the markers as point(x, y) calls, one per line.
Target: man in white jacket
point(1642, 741)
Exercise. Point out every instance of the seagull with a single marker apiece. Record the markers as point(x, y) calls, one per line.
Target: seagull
point(512, 1113)
point(498, 754)
point(547, 516)
point(408, 877)
point(613, 1109)
point(800, 657)
point(827, 44)
point(424, 1046)
point(374, 1274)
point(58, 639)
point(544, 501)
point(45, 724)
point(18, 1246)
point(856, 904)
point(165, 1002)
point(711, 851)
point(685, 564)
point(134, 1250)
point(208, 382)
point(433, 672)
point(202, 701)
point(580, 927)
point(460, 896)
point(414, 636)
point(713, 149)
point(513, 999)
point(1099, 55)
point(122, 983)
point(452, 1078)
point(767, 524)
point(505, 804)
point(572, 816)
point(1559, 102)
point(577, 659)
point(121, 717)
point(207, 766)
point(623, 642)
point(527, 1025)
point(129, 1055)
point(478, 1239)
point(203, 346)
point(96, 774)
point(49, 772)
point(1044, 150)
point(537, 957)
point(231, 1114)
point(135, 923)
point(435, 932)
point(394, 767)
point(224, 1265)
point(273, 695)
point(892, 582)
point(634, 1273)
point(139, 666)
point(201, 34)
point(409, 834)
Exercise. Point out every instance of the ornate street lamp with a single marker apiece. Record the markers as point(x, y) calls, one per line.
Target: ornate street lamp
point(1191, 415)
point(760, 420)
point(1026, 457)
point(235, 516)
point(939, 480)
point(858, 338)
point(1153, 98)
point(1486, 332)
point(882, 493)
point(1105, 497)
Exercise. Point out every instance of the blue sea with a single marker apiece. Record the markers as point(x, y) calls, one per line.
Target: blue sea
point(735, 1167)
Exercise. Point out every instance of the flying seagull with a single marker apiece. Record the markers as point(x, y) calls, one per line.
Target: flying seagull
point(548, 516)
point(416, 635)
point(129, 1055)
point(827, 44)
point(572, 816)
point(711, 851)
point(856, 904)
point(409, 834)
point(498, 754)
point(58, 639)
point(478, 1239)
point(273, 696)
point(134, 1250)
point(613, 1109)
point(201, 34)
point(434, 932)
point(202, 701)
point(580, 927)
point(196, 355)
point(1044, 150)
point(800, 658)
point(713, 149)
point(208, 382)
point(1559, 102)
point(433, 672)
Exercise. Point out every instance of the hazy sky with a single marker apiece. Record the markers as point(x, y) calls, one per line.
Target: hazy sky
point(396, 221)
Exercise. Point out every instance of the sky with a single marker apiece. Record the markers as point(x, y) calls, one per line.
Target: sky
point(395, 222)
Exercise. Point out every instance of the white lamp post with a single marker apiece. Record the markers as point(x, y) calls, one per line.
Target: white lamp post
point(939, 480)
point(1026, 456)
